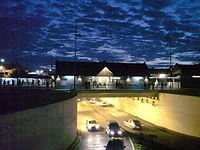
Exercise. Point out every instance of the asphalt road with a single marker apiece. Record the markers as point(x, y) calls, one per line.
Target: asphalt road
point(96, 140)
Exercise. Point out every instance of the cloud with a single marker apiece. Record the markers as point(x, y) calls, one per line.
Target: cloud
point(114, 30)
point(156, 4)
point(54, 53)
point(141, 23)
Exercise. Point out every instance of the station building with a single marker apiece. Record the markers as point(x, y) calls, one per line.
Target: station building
point(101, 75)
point(188, 76)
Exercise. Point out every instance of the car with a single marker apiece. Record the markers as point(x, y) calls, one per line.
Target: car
point(115, 144)
point(133, 124)
point(79, 100)
point(103, 104)
point(92, 125)
point(92, 101)
point(113, 129)
point(109, 105)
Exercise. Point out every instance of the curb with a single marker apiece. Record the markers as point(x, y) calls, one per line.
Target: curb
point(76, 143)
point(133, 147)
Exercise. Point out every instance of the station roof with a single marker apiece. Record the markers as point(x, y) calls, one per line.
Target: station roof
point(95, 68)
point(159, 71)
point(181, 69)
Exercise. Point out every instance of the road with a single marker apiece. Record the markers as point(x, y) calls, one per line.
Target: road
point(96, 140)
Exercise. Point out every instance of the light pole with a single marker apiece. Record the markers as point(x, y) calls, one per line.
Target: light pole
point(1, 70)
point(1, 65)
point(75, 50)
point(170, 58)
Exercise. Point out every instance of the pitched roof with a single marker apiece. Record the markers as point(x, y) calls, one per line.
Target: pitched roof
point(93, 68)
point(187, 69)
point(159, 71)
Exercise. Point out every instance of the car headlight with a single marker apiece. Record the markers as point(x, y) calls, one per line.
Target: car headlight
point(119, 132)
point(89, 127)
point(97, 126)
point(112, 132)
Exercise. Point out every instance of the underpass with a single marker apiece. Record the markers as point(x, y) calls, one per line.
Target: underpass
point(98, 140)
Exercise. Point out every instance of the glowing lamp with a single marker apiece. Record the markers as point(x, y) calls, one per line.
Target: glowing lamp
point(162, 75)
point(128, 80)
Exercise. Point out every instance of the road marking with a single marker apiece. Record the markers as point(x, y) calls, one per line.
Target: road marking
point(132, 145)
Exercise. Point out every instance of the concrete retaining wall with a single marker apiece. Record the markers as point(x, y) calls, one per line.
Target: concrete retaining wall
point(176, 112)
point(50, 127)
point(180, 113)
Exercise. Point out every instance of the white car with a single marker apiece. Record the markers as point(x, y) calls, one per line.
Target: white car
point(133, 124)
point(103, 104)
point(92, 125)
point(92, 101)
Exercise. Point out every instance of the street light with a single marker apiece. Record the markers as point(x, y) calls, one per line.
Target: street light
point(2, 60)
point(75, 50)
point(170, 57)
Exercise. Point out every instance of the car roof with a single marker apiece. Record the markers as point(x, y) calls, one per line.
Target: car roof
point(111, 121)
point(90, 119)
point(136, 120)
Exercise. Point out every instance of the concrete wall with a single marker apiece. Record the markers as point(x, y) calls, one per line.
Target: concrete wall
point(176, 112)
point(50, 127)
point(116, 93)
point(180, 113)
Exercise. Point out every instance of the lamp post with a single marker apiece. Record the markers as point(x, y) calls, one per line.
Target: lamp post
point(170, 58)
point(75, 50)
point(1, 70)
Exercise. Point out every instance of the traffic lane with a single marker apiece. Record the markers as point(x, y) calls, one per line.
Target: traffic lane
point(94, 140)
point(86, 111)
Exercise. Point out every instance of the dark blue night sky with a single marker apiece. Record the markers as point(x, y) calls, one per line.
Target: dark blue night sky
point(37, 32)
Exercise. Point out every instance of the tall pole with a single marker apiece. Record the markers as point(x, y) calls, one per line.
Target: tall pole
point(170, 60)
point(170, 53)
point(75, 50)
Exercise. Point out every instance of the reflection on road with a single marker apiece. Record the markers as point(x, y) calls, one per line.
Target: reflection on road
point(97, 140)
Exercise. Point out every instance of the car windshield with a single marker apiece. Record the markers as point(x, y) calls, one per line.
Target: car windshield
point(115, 145)
point(92, 122)
point(136, 122)
point(114, 126)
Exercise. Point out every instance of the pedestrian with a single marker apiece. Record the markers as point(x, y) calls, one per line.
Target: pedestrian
point(8, 83)
point(13, 83)
point(162, 85)
point(4, 83)
point(47, 84)
point(38, 82)
point(32, 83)
point(153, 85)
point(23, 82)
